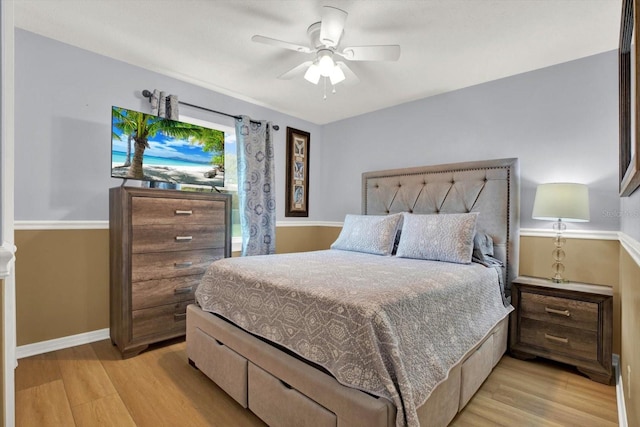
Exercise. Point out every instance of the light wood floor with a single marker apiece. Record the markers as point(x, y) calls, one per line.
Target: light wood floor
point(90, 385)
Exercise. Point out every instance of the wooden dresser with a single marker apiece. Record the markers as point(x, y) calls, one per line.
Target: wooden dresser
point(161, 242)
point(567, 322)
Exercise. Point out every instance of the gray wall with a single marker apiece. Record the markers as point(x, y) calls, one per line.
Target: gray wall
point(561, 122)
point(63, 127)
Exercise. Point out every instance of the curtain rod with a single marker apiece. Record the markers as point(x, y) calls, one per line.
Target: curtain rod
point(148, 94)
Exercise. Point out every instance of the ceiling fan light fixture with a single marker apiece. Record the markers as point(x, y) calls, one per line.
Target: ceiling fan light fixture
point(337, 75)
point(313, 74)
point(325, 63)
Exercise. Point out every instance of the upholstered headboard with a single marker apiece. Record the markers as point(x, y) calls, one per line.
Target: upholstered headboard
point(490, 187)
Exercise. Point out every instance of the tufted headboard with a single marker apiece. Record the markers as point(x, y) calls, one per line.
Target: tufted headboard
point(490, 187)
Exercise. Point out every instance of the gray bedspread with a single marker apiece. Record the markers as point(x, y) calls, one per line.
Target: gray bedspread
point(393, 327)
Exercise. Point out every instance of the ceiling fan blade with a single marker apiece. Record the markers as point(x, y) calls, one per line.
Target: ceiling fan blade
point(280, 43)
point(372, 53)
point(351, 78)
point(296, 71)
point(332, 25)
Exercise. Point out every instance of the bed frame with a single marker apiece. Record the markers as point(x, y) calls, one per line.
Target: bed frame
point(284, 390)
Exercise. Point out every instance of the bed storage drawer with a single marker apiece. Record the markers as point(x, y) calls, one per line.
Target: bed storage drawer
point(279, 405)
point(229, 370)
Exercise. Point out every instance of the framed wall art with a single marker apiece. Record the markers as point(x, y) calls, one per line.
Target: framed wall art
point(629, 97)
point(297, 185)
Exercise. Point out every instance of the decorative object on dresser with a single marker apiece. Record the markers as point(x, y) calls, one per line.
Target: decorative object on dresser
point(560, 202)
point(161, 242)
point(567, 322)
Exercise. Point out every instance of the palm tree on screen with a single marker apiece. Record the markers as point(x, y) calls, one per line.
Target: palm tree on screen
point(140, 127)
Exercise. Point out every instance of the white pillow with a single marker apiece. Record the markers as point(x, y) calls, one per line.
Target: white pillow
point(441, 237)
point(372, 234)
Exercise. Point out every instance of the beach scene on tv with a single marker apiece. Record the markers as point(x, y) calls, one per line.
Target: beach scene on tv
point(150, 148)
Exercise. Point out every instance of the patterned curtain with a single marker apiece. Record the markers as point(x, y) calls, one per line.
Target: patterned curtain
point(256, 187)
point(163, 105)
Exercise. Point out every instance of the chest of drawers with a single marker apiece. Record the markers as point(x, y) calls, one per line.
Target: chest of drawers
point(567, 322)
point(161, 242)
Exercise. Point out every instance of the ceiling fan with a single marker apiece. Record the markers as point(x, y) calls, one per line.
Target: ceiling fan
point(324, 38)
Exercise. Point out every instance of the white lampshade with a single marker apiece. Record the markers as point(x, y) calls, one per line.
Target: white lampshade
point(564, 201)
point(326, 64)
point(313, 74)
point(337, 75)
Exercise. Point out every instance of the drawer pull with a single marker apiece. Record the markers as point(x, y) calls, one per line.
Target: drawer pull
point(286, 385)
point(184, 290)
point(560, 312)
point(183, 264)
point(179, 316)
point(178, 212)
point(183, 238)
point(557, 339)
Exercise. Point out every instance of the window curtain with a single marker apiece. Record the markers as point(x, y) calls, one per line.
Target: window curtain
point(256, 187)
point(163, 105)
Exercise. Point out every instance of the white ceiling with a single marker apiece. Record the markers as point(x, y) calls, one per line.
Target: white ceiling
point(446, 44)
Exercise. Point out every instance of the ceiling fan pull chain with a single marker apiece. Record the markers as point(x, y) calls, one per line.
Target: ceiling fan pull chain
point(324, 84)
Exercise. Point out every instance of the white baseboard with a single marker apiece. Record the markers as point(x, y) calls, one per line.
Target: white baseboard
point(61, 343)
point(622, 410)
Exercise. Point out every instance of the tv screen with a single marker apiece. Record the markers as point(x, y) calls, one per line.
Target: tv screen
point(150, 148)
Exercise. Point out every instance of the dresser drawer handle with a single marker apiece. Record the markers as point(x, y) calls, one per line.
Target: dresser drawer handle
point(183, 264)
point(183, 238)
point(557, 339)
point(178, 212)
point(554, 311)
point(179, 316)
point(185, 290)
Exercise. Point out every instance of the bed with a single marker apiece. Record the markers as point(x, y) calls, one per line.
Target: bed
point(299, 344)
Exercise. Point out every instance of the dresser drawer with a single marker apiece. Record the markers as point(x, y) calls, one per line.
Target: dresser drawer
point(164, 238)
point(158, 210)
point(572, 342)
point(164, 265)
point(164, 321)
point(562, 311)
point(151, 293)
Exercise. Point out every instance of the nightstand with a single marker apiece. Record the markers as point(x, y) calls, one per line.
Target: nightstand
point(567, 322)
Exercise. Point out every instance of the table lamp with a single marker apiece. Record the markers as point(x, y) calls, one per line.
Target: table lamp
point(561, 202)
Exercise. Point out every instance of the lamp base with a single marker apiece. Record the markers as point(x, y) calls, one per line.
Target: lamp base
point(560, 280)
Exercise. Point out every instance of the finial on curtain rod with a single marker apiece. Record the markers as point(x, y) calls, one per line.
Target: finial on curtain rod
point(148, 94)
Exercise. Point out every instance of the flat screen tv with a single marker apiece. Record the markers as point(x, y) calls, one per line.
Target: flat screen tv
point(150, 148)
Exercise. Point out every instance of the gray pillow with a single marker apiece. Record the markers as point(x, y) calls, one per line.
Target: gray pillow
point(372, 234)
point(441, 237)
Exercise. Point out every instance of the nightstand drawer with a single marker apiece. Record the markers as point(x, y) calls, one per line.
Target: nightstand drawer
point(571, 342)
point(561, 311)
